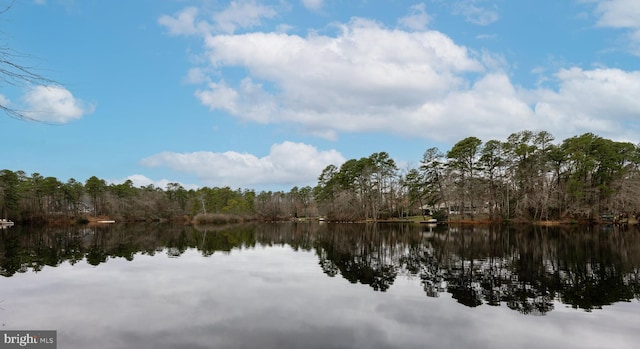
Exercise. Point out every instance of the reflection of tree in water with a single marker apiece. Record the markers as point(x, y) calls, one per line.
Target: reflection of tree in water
point(595, 270)
point(463, 275)
point(527, 269)
point(366, 254)
point(526, 284)
point(21, 250)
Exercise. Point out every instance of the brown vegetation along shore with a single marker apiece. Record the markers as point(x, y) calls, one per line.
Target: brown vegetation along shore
point(226, 218)
point(555, 223)
point(98, 219)
point(630, 221)
point(221, 218)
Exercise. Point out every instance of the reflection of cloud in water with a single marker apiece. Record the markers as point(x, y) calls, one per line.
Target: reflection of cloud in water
point(224, 301)
point(275, 297)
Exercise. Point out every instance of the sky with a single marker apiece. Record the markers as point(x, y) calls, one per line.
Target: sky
point(265, 94)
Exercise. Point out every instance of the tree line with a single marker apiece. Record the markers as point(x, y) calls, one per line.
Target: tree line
point(526, 177)
point(36, 198)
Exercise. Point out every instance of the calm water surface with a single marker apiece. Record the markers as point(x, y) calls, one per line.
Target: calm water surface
point(323, 286)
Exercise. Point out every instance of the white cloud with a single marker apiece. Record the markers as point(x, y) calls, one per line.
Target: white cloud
point(493, 61)
point(490, 108)
point(621, 14)
point(250, 100)
point(54, 104)
point(355, 81)
point(603, 101)
point(139, 180)
point(418, 19)
point(313, 4)
point(184, 23)
point(369, 78)
point(242, 14)
point(219, 96)
point(474, 13)
point(287, 163)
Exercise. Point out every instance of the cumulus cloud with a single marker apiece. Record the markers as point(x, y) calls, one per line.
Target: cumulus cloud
point(603, 101)
point(356, 80)
point(249, 101)
point(54, 104)
point(370, 78)
point(490, 108)
point(287, 163)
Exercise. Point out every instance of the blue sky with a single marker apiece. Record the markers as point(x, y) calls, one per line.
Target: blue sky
point(265, 94)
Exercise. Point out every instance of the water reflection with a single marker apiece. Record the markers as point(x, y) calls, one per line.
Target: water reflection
point(527, 269)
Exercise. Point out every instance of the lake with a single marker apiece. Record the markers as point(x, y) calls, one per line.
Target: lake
point(311, 285)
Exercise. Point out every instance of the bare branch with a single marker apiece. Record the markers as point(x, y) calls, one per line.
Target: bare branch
point(15, 74)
